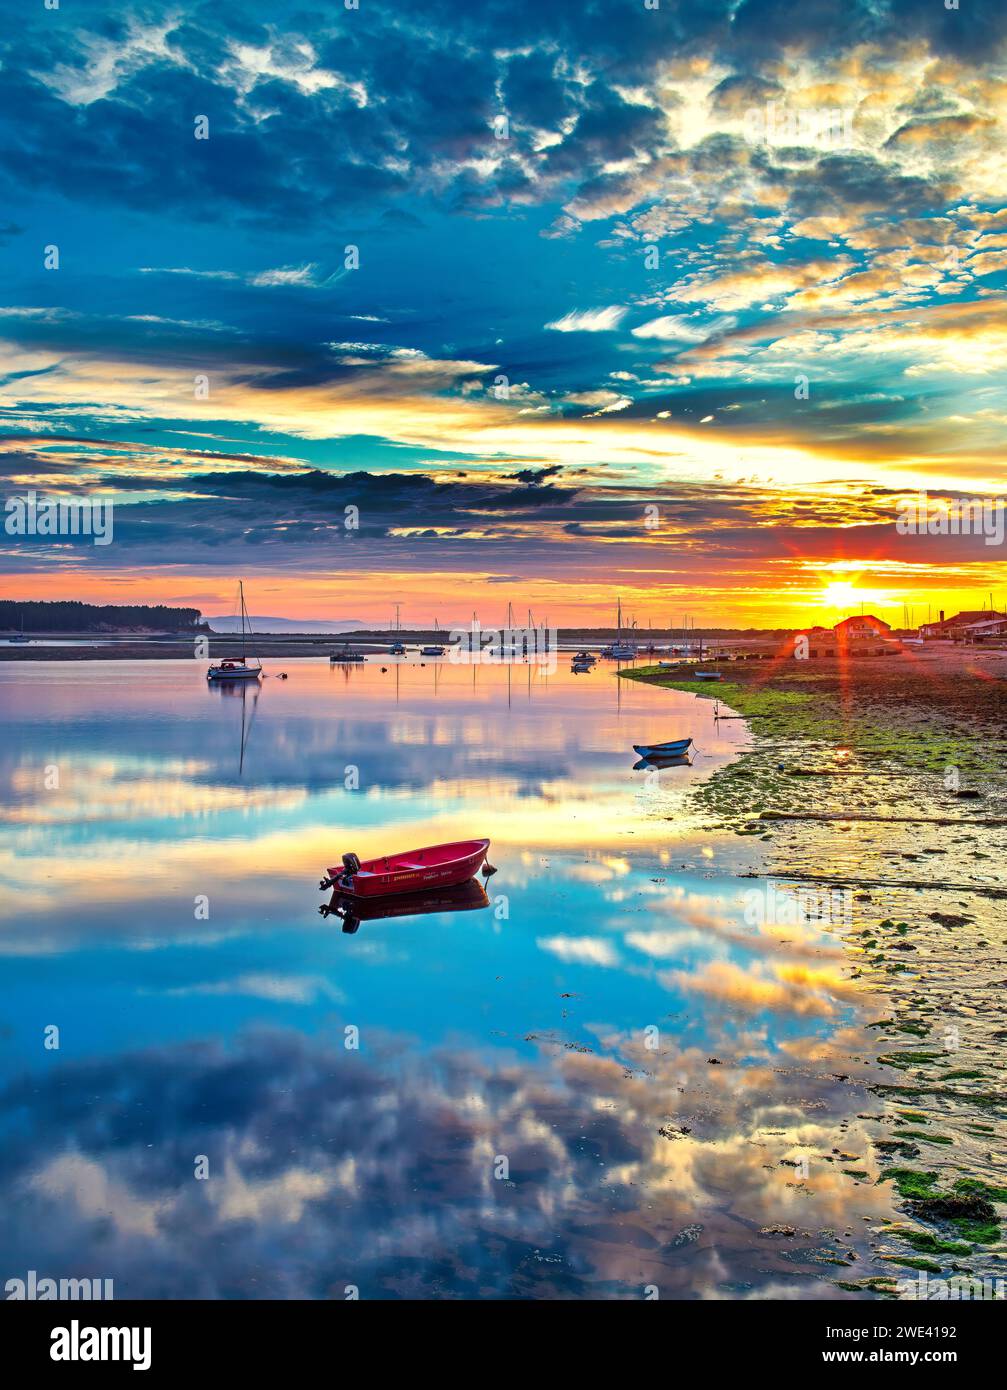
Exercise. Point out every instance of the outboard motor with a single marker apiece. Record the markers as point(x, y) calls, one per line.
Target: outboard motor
point(351, 864)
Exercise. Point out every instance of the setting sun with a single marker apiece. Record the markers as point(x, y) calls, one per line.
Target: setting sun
point(843, 594)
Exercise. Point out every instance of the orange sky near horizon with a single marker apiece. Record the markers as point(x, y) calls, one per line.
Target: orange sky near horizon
point(801, 596)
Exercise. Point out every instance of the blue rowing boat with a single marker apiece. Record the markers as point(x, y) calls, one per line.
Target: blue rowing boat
point(673, 749)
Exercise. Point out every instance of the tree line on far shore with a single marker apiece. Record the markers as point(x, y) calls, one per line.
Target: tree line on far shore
point(69, 615)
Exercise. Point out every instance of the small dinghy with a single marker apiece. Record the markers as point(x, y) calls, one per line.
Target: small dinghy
point(675, 749)
point(436, 866)
point(708, 676)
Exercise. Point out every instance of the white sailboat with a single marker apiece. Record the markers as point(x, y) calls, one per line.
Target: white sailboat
point(19, 638)
point(238, 668)
point(620, 649)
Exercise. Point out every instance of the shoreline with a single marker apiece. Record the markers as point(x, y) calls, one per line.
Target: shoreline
point(888, 783)
point(746, 657)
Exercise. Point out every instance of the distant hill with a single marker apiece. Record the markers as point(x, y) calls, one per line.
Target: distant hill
point(230, 623)
point(70, 616)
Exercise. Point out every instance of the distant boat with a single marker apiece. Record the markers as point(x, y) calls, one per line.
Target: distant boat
point(584, 658)
point(19, 638)
point(620, 649)
point(708, 675)
point(344, 654)
point(397, 649)
point(673, 749)
point(238, 668)
point(433, 648)
point(436, 866)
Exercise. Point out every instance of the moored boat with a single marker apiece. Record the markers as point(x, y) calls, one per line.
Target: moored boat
point(345, 654)
point(673, 749)
point(235, 668)
point(619, 649)
point(708, 675)
point(436, 647)
point(238, 668)
point(435, 866)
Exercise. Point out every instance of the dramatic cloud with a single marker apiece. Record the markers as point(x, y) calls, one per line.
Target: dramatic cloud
point(478, 245)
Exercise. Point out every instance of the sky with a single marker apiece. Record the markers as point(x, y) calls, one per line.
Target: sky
point(455, 306)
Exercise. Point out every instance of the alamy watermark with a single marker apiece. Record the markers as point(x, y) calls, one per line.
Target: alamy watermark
point(957, 516)
point(42, 1288)
point(791, 907)
point(31, 515)
point(476, 645)
point(959, 1287)
point(823, 127)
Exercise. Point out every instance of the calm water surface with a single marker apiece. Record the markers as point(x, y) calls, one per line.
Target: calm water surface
point(596, 1083)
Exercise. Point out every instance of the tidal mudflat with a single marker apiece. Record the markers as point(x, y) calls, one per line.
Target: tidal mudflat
point(888, 780)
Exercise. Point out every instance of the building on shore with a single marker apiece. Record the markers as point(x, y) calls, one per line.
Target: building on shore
point(863, 628)
point(992, 628)
point(956, 629)
point(863, 635)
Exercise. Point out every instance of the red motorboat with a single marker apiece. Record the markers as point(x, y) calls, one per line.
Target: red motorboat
point(437, 866)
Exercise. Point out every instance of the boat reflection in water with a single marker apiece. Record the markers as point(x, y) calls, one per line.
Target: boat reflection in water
point(240, 689)
point(660, 761)
point(463, 897)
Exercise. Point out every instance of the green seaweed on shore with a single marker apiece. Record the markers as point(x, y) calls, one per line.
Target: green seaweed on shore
point(903, 1060)
point(880, 1284)
point(913, 1262)
point(926, 1243)
point(981, 1189)
point(910, 1182)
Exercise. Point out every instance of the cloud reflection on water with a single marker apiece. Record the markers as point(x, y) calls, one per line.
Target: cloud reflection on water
point(329, 1168)
point(516, 1030)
